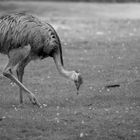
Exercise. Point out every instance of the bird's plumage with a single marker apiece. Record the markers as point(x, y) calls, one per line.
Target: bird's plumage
point(24, 37)
point(21, 29)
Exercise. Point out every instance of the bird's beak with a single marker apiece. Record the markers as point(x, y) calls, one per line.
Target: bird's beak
point(78, 83)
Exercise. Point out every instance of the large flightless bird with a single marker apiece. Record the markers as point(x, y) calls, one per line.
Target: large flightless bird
point(24, 37)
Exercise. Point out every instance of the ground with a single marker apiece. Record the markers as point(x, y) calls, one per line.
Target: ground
point(102, 41)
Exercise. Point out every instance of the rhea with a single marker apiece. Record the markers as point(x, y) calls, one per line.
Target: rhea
point(24, 37)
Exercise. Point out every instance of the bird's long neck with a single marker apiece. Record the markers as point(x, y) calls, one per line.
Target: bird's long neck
point(68, 74)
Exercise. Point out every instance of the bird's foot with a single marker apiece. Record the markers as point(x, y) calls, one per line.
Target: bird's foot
point(34, 101)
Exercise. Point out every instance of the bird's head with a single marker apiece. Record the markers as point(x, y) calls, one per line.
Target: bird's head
point(78, 80)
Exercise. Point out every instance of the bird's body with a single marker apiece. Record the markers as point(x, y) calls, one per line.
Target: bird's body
point(23, 38)
point(19, 30)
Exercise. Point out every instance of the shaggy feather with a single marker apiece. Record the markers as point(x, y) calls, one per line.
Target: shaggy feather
point(20, 29)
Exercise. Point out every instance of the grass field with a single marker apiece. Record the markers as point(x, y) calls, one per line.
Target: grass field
point(103, 42)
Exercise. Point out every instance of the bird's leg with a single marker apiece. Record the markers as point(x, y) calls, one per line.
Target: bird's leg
point(12, 83)
point(32, 97)
point(20, 72)
point(15, 57)
point(20, 77)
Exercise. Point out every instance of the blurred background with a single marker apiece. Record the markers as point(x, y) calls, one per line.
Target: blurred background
point(83, 0)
